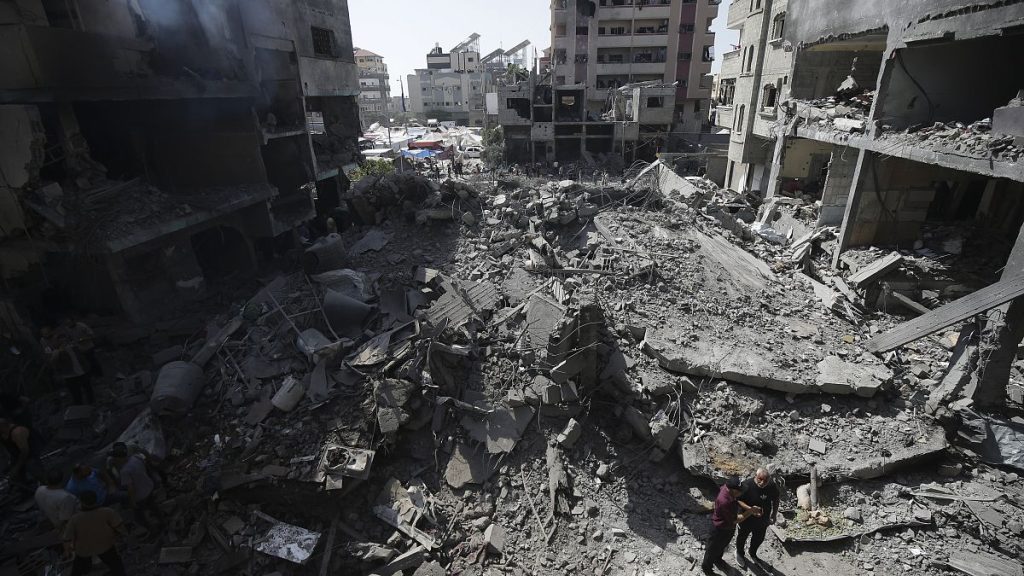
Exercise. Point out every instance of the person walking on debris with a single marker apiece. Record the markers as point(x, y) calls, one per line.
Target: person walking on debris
point(56, 503)
point(724, 519)
point(59, 347)
point(93, 532)
point(134, 478)
point(758, 492)
point(23, 447)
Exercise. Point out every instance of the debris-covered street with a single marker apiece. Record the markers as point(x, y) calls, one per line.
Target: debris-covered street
point(600, 309)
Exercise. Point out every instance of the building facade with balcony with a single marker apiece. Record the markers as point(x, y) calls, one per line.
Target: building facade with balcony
point(374, 87)
point(605, 44)
point(602, 51)
point(749, 88)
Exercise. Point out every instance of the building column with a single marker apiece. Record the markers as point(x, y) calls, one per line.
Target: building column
point(1003, 332)
point(850, 214)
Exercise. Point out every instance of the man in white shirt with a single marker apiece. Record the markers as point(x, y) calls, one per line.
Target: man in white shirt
point(57, 504)
point(134, 478)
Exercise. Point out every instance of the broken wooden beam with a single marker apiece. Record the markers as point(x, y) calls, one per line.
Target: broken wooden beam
point(875, 270)
point(909, 303)
point(985, 299)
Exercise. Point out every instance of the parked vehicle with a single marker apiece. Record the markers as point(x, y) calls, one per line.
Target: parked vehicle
point(472, 152)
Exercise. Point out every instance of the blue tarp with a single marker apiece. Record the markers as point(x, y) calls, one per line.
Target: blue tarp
point(418, 153)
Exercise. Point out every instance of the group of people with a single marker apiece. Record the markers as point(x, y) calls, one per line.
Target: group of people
point(80, 509)
point(751, 506)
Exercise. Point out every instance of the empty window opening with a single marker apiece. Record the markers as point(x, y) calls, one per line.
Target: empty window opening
point(323, 41)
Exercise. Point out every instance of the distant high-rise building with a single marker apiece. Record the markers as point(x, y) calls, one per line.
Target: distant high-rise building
point(606, 44)
point(623, 76)
point(374, 87)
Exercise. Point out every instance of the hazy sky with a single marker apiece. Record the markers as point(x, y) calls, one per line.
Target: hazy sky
point(403, 31)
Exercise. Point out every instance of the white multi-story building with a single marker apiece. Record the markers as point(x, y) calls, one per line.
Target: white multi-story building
point(748, 91)
point(452, 86)
point(374, 87)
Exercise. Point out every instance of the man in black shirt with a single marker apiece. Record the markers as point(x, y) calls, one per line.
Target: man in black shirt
point(759, 491)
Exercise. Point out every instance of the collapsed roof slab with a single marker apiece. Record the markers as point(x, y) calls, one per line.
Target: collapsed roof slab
point(739, 358)
point(861, 447)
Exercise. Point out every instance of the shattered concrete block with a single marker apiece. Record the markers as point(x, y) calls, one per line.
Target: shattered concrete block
point(853, 514)
point(838, 376)
point(515, 398)
point(817, 445)
point(665, 437)
point(552, 394)
point(636, 419)
point(568, 437)
point(494, 537)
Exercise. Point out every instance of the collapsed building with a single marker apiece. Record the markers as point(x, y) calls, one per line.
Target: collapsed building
point(526, 376)
point(153, 148)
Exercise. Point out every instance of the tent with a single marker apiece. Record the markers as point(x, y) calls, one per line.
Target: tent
point(418, 154)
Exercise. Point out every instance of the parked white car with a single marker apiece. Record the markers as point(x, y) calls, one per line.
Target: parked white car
point(472, 151)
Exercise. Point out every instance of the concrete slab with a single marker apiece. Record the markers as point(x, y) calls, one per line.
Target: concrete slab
point(736, 359)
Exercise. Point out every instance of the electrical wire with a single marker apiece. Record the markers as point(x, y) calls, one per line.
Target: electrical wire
point(931, 105)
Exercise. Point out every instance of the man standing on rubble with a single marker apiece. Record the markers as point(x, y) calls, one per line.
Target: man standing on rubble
point(724, 519)
point(135, 481)
point(93, 532)
point(758, 492)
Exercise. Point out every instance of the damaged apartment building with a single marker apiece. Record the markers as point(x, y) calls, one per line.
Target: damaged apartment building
point(624, 77)
point(152, 148)
point(901, 128)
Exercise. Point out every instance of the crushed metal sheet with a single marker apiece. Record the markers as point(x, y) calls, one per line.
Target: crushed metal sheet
point(461, 301)
point(288, 542)
point(338, 461)
point(981, 564)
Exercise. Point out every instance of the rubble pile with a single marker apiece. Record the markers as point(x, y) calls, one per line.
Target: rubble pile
point(549, 378)
point(843, 113)
point(975, 139)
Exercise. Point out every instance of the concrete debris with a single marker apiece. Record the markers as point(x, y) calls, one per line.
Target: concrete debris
point(462, 358)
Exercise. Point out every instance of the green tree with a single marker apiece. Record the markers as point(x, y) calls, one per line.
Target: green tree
point(494, 146)
point(372, 167)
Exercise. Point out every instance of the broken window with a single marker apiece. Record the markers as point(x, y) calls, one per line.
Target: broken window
point(520, 105)
point(686, 27)
point(769, 96)
point(739, 119)
point(323, 41)
point(709, 54)
point(582, 30)
point(655, 101)
point(778, 26)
